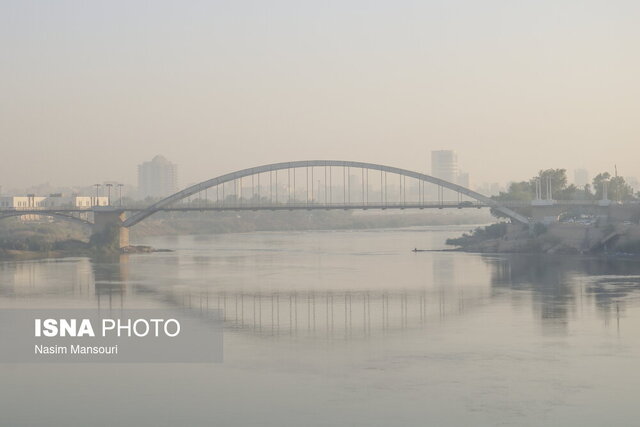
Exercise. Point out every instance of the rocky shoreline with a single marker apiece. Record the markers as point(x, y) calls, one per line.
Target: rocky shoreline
point(84, 250)
point(622, 240)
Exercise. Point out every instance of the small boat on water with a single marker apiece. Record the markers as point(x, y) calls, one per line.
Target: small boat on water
point(433, 250)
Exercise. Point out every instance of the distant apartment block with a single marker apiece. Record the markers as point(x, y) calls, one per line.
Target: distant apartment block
point(444, 165)
point(580, 177)
point(157, 178)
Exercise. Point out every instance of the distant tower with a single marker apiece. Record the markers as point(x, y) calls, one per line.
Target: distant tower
point(463, 179)
point(580, 177)
point(444, 165)
point(157, 178)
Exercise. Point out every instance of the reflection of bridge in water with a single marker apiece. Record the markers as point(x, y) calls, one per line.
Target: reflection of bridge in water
point(329, 314)
point(336, 314)
point(548, 285)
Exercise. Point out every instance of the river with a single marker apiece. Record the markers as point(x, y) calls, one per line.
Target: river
point(344, 328)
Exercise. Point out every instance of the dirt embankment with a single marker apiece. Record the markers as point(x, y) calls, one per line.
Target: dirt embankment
point(72, 249)
point(558, 238)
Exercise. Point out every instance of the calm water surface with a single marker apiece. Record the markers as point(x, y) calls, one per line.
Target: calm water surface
point(345, 328)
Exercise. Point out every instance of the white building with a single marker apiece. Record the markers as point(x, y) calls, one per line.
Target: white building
point(157, 178)
point(32, 202)
point(444, 165)
point(22, 202)
point(580, 177)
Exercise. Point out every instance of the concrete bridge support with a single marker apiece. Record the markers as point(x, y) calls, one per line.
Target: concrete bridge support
point(108, 230)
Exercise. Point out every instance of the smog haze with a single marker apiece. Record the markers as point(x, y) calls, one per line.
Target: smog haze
point(90, 90)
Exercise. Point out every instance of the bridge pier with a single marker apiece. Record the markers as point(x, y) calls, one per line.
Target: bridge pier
point(108, 231)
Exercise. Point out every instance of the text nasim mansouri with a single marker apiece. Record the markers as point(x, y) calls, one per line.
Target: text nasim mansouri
point(75, 349)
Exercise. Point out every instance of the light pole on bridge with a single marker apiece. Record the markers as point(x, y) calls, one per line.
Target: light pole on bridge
point(97, 202)
point(109, 193)
point(120, 193)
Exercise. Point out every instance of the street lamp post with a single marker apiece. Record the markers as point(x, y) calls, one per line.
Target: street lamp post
point(120, 193)
point(97, 202)
point(109, 193)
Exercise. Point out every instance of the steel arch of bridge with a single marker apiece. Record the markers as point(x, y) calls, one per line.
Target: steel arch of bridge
point(60, 215)
point(194, 189)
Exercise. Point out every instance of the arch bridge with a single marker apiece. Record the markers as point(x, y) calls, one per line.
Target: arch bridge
point(322, 184)
point(299, 185)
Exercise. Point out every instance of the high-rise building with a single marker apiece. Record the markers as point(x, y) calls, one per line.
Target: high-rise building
point(157, 178)
point(463, 179)
point(580, 177)
point(444, 165)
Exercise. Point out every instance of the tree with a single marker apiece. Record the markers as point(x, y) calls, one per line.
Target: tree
point(518, 191)
point(558, 178)
point(617, 188)
point(598, 183)
point(526, 190)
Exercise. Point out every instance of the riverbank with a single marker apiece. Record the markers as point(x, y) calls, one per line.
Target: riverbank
point(173, 224)
point(73, 249)
point(43, 239)
point(559, 238)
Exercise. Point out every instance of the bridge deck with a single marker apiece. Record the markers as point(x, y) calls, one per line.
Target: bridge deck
point(255, 207)
point(290, 206)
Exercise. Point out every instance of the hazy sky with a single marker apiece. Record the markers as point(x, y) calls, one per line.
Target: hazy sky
point(91, 89)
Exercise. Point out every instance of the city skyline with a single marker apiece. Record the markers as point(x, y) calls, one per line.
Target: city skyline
point(131, 180)
point(164, 188)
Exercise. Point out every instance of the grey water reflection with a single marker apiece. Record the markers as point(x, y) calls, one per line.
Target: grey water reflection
point(551, 286)
point(557, 285)
point(111, 276)
point(402, 338)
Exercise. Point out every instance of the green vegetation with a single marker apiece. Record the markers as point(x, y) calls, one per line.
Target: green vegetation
point(20, 235)
point(480, 234)
point(617, 189)
point(561, 238)
point(20, 239)
point(17, 236)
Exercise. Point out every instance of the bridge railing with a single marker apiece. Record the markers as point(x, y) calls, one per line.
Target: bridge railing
point(198, 204)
